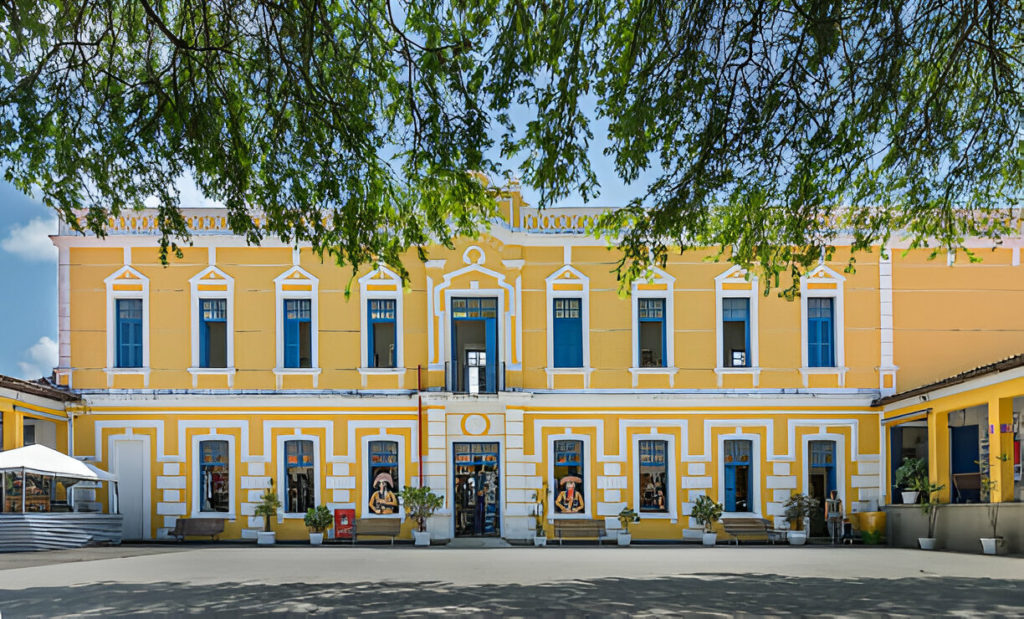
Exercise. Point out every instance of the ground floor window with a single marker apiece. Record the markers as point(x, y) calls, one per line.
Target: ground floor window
point(569, 497)
point(214, 480)
point(653, 476)
point(738, 476)
point(298, 466)
point(383, 477)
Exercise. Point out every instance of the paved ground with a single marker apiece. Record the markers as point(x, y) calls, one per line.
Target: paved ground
point(575, 581)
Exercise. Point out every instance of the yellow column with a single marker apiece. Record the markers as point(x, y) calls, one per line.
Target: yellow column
point(14, 430)
point(938, 452)
point(1000, 441)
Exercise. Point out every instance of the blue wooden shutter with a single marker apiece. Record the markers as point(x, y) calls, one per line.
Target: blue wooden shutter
point(129, 333)
point(820, 333)
point(291, 333)
point(568, 333)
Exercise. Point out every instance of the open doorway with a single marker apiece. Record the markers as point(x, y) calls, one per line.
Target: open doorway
point(477, 490)
point(474, 345)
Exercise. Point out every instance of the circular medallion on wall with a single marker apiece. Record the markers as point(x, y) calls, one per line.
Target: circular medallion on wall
point(475, 425)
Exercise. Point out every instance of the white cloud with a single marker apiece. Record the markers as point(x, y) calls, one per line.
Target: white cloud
point(31, 241)
point(39, 359)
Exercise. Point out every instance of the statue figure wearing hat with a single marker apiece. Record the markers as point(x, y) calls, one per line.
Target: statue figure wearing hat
point(569, 500)
point(383, 500)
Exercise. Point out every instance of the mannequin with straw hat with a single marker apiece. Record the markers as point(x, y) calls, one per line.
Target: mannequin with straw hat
point(569, 500)
point(383, 501)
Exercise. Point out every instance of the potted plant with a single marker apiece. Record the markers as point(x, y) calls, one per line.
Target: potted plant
point(539, 538)
point(989, 490)
point(706, 511)
point(267, 507)
point(931, 510)
point(911, 476)
point(626, 517)
point(799, 508)
point(318, 519)
point(420, 503)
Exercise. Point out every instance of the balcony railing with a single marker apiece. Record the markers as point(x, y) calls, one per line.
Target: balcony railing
point(457, 378)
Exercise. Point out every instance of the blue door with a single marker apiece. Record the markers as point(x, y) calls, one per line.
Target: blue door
point(491, 334)
point(738, 476)
point(963, 447)
point(730, 488)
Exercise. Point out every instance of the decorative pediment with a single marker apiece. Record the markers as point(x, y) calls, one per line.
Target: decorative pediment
point(127, 278)
point(381, 279)
point(736, 278)
point(653, 279)
point(296, 279)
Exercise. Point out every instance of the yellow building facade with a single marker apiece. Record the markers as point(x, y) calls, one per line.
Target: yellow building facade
point(506, 371)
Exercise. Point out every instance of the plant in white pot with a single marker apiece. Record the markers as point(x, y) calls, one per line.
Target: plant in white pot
point(799, 508)
point(539, 537)
point(420, 503)
point(911, 477)
point(931, 510)
point(706, 511)
point(267, 508)
point(626, 517)
point(989, 492)
point(318, 519)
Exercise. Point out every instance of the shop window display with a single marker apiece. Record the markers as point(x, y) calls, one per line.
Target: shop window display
point(569, 476)
point(477, 489)
point(298, 466)
point(214, 480)
point(654, 476)
point(383, 477)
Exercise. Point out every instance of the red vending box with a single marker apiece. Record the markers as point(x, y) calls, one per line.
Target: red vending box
point(344, 520)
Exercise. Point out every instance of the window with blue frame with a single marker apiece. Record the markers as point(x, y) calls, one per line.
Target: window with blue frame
point(651, 340)
point(567, 338)
point(569, 477)
point(299, 490)
point(382, 336)
point(738, 476)
point(821, 332)
point(213, 333)
point(653, 476)
point(823, 467)
point(298, 340)
point(214, 480)
point(735, 332)
point(129, 333)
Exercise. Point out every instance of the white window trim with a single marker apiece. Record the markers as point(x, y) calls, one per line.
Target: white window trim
point(672, 484)
point(584, 297)
point(655, 276)
point(840, 442)
point(838, 322)
point(755, 471)
point(112, 297)
point(588, 477)
point(196, 296)
point(362, 510)
point(282, 456)
point(314, 323)
point(365, 296)
point(754, 370)
point(232, 476)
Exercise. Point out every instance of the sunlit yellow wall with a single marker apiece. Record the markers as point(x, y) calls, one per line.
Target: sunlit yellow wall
point(952, 318)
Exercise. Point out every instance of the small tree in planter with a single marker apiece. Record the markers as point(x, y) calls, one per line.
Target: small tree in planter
point(912, 477)
point(931, 510)
point(626, 517)
point(989, 490)
point(420, 503)
point(267, 508)
point(799, 507)
point(318, 519)
point(706, 511)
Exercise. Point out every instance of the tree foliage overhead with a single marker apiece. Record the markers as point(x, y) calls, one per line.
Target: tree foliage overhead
point(768, 128)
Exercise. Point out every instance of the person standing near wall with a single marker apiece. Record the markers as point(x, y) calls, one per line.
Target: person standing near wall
point(834, 516)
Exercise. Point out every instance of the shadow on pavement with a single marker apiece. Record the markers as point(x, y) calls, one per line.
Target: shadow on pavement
point(701, 594)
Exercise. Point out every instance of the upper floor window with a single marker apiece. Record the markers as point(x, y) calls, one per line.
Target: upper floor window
point(383, 333)
point(298, 336)
point(820, 332)
point(735, 332)
point(651, 318)
point(129, 333)
point(567, 324)
point(300, 491)
point(213, 333)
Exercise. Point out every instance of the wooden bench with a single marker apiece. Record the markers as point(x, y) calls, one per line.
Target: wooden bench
point(579, 529)
point(381, 527)
point(750, 529)
point(198, 526)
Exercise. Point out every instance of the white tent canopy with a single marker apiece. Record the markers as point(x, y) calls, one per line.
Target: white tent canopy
point(42, 460)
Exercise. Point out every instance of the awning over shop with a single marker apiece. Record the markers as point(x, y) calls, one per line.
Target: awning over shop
point(42, 460)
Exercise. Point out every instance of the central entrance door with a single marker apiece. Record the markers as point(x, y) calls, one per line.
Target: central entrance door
point(477, 489)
